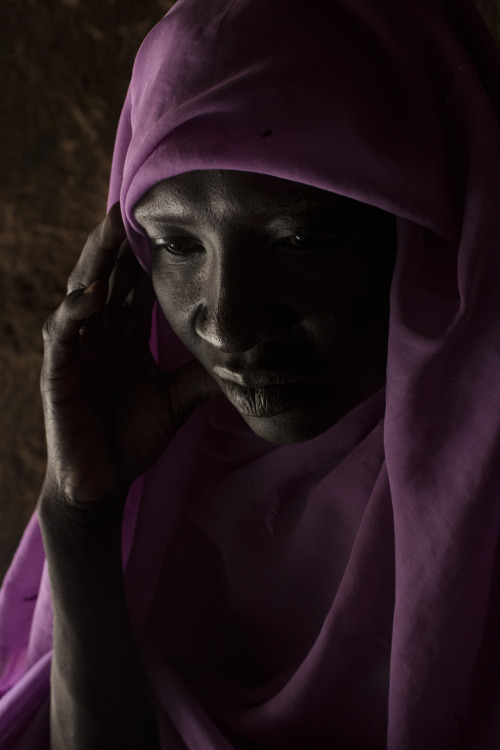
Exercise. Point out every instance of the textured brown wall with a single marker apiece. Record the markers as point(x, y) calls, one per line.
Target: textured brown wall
point(64, 69)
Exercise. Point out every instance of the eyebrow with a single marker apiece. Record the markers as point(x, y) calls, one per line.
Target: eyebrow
point(289, 209)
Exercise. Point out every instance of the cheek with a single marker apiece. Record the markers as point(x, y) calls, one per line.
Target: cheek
point(350, 321)
point(177, 298)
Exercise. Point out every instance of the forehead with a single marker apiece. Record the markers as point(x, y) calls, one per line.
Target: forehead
point(233, 194)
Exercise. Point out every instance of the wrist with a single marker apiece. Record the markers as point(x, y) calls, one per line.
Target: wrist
point(84, 556)
point(56, 510)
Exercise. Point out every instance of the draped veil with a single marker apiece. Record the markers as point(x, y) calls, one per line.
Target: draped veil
point(397, 105)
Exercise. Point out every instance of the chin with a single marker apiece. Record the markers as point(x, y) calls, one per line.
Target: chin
point(287, 413)
point(290, 428)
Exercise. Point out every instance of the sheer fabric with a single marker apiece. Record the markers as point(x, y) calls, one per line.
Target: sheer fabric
point(396, 105)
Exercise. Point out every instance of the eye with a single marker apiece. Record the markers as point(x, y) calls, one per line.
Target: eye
point(307, 239)
point(178, 246)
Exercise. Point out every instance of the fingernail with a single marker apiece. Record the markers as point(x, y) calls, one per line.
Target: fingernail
point(115, 214)
point(113, 224)
point(90, 288)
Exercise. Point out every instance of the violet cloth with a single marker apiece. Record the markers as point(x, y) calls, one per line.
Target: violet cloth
point(398, 505)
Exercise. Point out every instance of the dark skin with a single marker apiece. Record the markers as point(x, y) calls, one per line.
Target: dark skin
point(99, 385)
point(260, 315)
point(279, 289)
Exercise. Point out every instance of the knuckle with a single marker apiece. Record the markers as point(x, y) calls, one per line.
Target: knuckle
point(74, 281)
point(55, 322)
point(47, 328)
point(51, 329)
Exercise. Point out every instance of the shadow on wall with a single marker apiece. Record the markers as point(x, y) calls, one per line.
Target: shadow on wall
point(490, 10)
point(64, 67)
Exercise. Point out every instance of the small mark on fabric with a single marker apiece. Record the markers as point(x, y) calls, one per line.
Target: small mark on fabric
point(265, 134)
point(456, 85)
point(272, 515)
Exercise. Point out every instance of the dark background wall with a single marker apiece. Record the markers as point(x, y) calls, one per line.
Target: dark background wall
point(64, 70)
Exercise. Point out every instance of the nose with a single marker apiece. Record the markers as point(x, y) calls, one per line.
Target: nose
point(241, 304)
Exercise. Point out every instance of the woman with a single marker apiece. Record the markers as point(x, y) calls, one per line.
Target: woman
point(308, 562)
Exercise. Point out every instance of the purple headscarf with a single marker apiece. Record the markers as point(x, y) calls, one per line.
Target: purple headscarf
point(397, 105)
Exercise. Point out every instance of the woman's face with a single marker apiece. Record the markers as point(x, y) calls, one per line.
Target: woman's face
point(279, 289)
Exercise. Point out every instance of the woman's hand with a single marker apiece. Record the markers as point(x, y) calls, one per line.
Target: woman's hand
point(109, 410)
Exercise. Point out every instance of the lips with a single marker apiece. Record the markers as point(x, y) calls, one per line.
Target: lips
point(265, 401)
point(255, 378)
point(261, 393)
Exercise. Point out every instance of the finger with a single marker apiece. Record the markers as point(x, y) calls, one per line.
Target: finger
point(100, 251)
point(123, 276)
point(139, 301)
point(61, 329)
